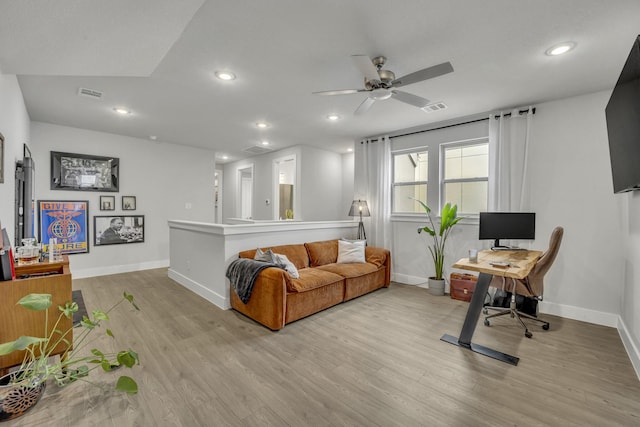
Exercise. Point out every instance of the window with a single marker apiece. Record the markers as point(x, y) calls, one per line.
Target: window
point(439, 165)
point(410, 176)
point(466, 176)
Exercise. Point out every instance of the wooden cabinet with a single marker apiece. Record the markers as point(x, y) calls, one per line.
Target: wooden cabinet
point(16, 320)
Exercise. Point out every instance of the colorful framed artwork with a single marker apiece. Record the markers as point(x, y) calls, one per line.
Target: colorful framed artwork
point(107, 203)
point(117, 229)
point(67, 222)
point(128, 203)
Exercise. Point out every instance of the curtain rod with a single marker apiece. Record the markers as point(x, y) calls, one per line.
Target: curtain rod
point(533, 111)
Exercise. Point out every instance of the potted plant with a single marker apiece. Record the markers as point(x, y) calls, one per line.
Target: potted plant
point(21, 390)
point(448, 218)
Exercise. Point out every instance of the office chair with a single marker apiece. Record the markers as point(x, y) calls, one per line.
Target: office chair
point(530, 286)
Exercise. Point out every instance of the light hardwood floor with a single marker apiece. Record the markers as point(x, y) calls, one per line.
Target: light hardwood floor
point(373, 361)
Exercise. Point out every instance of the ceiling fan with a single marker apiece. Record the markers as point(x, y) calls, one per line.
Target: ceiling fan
point(381, 84)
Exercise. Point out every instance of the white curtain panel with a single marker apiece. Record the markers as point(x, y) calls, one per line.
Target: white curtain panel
point(373, 184)
point(509, 137)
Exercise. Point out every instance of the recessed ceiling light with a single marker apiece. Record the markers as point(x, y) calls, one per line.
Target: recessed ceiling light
point(265, 142)
point(225, 75)
point(350, 149)
point(262, 125)
point(153, 137)
point(122, 111)
point(225, 157)
point(333, 117)
point(560, 48)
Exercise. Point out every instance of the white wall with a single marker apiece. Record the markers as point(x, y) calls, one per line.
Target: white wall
point(319, 184)
point(14, 125)
point(348, 194)
point(570, 185)
point(165, 178)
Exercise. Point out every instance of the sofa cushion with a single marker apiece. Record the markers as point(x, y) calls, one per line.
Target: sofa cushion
point(321, 253)
point(311, 278)
point(349, 270)
point(351, 251)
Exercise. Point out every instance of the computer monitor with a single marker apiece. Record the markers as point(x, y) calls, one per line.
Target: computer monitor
point(507, 225)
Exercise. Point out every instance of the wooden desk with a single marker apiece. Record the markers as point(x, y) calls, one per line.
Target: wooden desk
point(16, 320)
point(520, 264)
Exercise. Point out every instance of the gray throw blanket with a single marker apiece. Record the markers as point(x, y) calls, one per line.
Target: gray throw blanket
point(243, 272)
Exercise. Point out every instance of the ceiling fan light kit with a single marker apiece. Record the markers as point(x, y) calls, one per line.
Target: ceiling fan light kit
point(381, 83)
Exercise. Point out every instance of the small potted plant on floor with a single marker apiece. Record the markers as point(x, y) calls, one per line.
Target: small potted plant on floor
point(448, 218)
point(21, 390)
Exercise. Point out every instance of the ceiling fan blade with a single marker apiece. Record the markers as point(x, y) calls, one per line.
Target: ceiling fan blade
point(364, 107)
point(339, 92)
point(424, 74)
point(366, 67)
point(410, 98)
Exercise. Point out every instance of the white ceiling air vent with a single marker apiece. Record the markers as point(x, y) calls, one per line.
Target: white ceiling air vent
point(257, 149)
point(90, 93)
point(434, 106)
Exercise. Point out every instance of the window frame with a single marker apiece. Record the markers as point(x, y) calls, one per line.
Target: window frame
point(441, 169)
point(395, 184)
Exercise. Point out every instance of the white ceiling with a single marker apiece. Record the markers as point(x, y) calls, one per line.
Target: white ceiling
point(157, 58)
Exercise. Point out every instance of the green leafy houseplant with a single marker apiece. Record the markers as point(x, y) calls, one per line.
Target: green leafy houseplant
point(73, 364)
point(448, 218)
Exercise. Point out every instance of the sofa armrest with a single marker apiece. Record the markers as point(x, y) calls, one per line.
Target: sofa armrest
point(380, 257)
point(267, 304)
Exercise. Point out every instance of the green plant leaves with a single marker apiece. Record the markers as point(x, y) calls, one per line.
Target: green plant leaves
point(100, 315)
point(129, 298)
point(127, 384)
point(128, 358)
point(20, 344)
point(68, 309)
point(37, 302)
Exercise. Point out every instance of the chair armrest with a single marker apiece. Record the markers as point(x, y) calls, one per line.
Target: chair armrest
point(267, 304)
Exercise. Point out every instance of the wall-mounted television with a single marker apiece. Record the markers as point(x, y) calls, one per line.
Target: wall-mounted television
point(623, 125)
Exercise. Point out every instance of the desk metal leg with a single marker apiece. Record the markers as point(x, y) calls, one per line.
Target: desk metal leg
point(471, 320)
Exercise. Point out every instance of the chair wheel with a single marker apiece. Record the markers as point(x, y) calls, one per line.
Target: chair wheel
point(486, 323)
point(528, 334)
point(485, 311)
point(545, 326)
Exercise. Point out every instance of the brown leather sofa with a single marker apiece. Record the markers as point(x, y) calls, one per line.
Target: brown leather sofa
point(278, 299)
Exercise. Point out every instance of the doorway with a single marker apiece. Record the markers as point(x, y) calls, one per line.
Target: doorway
point(284, 178)
point(245, 193)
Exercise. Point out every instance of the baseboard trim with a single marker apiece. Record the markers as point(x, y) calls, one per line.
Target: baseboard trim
point(206, 293)
point(632, 349)
point(577, 313)
point(116, 269)
point(409, 280)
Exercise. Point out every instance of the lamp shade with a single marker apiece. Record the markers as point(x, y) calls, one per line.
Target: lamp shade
point(359, 207)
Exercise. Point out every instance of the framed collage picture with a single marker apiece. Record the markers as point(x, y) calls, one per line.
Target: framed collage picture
point(67, 222)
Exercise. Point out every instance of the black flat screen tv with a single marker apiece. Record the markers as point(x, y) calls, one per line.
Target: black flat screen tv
point(507, 225)
point(623, 125)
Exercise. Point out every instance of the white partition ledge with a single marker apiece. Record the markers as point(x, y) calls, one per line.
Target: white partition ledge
point(199, 252)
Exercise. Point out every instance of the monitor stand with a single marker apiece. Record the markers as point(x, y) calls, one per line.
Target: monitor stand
point(498, 247)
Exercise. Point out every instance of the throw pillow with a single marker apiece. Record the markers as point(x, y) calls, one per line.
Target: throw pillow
point(288, 265)
point(264, 256)
point(351, 252)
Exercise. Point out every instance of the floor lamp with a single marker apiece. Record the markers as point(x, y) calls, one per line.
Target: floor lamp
point(360, 208)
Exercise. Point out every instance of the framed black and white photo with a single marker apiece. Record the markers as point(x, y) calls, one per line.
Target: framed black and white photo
point(128, 203)
point(118, 229)
point(82, 172)
point(107, 203)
